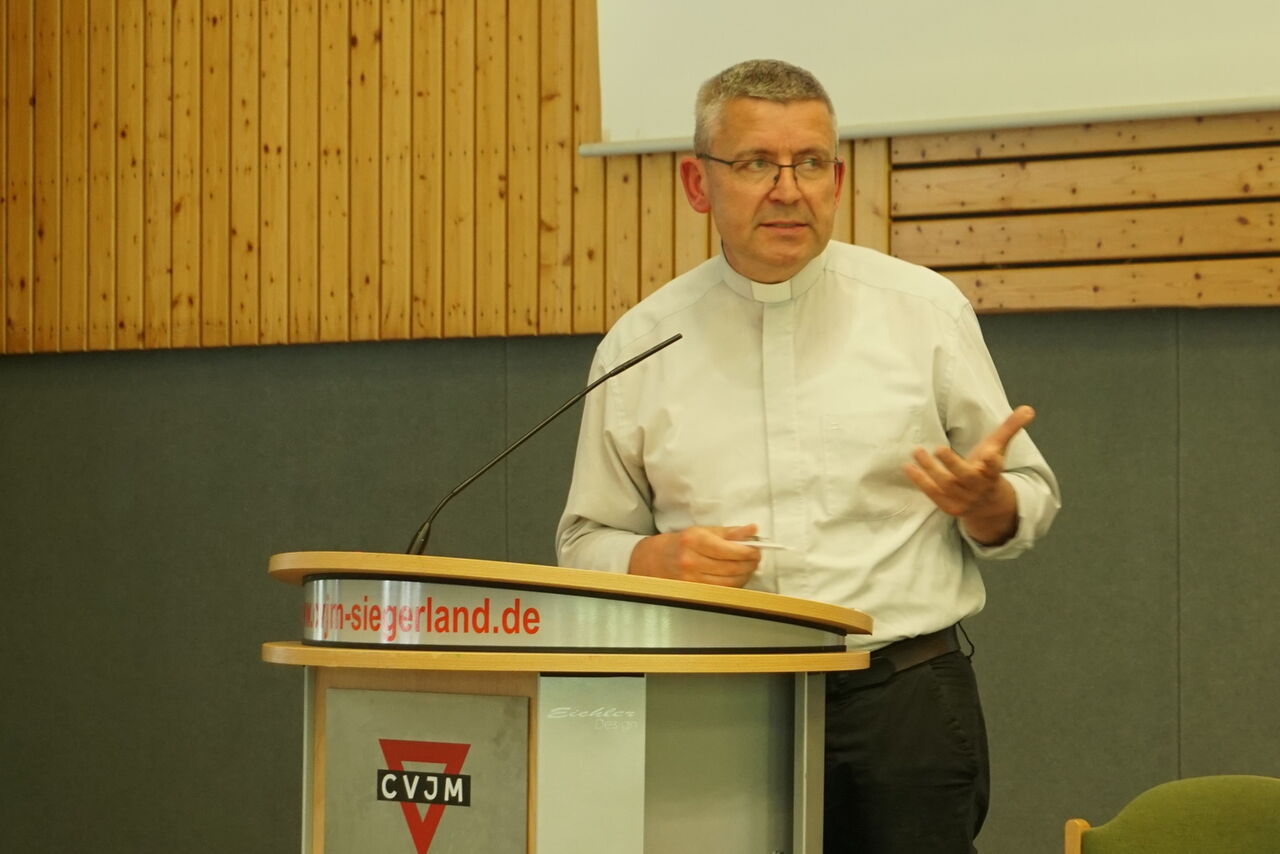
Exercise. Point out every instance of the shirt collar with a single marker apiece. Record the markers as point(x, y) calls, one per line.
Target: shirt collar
point(777, 292)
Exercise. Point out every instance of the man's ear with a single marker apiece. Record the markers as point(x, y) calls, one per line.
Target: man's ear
point(694, 178)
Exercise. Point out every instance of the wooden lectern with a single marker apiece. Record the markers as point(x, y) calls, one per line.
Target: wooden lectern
point(475, 706)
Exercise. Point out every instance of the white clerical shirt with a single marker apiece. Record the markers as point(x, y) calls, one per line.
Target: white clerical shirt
point(794, 406)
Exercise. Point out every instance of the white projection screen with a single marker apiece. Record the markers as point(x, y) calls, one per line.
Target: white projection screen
point(924, 66)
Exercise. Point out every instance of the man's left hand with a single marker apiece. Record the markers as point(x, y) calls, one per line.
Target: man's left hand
point(972, 488)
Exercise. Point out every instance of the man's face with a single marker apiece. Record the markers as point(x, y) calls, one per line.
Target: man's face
point(770, 230)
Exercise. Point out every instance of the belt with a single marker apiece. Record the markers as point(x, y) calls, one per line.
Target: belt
point(895, 658)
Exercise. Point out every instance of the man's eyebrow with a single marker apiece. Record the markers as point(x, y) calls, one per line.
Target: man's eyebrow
point(770, 154)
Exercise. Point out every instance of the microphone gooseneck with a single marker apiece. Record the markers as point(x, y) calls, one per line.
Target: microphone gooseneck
point(419, 544)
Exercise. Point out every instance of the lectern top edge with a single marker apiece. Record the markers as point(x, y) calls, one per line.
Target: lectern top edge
point(294, 567)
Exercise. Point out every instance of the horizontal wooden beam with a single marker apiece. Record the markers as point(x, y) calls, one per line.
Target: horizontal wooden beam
point(1094, 182)
point(1197, 230)
point(1176, 284)
point(1087, 138)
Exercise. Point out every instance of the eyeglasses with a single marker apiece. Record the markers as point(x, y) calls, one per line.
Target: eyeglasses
point(757, 170)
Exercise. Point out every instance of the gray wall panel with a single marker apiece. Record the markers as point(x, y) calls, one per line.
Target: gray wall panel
point(1076, 650)
point(142, 495)
point(1230, 542)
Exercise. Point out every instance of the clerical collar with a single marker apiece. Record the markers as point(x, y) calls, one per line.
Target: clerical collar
point(777, 292)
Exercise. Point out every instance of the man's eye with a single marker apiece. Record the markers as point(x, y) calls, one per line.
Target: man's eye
point(810, 168)
point(755, 166)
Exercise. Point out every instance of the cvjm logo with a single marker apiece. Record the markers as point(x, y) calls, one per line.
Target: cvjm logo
point(436, 790)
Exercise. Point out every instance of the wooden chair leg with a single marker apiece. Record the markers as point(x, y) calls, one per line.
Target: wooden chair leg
point(1073, 836)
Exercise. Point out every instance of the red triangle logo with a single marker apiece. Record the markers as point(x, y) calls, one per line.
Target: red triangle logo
point(422, 827)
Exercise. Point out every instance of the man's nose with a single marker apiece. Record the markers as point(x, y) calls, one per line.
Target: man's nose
point(785, 186)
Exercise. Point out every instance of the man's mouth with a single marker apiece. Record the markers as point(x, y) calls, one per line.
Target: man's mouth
point(784, 225)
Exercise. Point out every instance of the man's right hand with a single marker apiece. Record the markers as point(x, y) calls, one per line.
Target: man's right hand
point(706, 554)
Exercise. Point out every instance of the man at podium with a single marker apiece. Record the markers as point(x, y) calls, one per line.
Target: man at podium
point(781, 445)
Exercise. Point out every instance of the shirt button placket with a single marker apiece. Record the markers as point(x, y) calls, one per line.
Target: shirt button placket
point(782, 432)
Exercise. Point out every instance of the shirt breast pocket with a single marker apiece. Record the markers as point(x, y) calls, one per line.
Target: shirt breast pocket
point(862, 458)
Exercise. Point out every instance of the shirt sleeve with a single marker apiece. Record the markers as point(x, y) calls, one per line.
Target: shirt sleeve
point(609, 508)
point(975, 405)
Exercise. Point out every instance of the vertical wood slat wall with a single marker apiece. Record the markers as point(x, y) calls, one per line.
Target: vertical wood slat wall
point(207, 173)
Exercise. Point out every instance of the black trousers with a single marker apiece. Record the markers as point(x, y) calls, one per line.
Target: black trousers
point(906, 762)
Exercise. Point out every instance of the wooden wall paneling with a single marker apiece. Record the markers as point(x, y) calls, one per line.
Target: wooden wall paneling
point(273, 171)
point(366, 160)
point(215, 174)
point(428, 169)
point(184, 314)
point(622, 236)
point(397, 154)
point(1128, 179)
point(843, 229)
point(102, 173)
point(1146, 172)
point(244, 240)
point(523, 147)
point(657, 222)
point(691, 244)
point(1086, 236)
point(868, 183)
point(588, 175)
point(1084, 138)
point(20, 112)
point(459, 167)
point(304, 172)
point(47, 213)
point(130, 154)
point(555, 195)
point(491, 169)
point(157, 277)
point(73, 248)
point(335, 196)
point(1177, 284)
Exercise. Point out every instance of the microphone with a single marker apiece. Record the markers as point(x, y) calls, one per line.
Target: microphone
point(419, 544)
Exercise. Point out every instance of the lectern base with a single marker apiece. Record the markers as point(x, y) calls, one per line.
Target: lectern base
point(629, 764)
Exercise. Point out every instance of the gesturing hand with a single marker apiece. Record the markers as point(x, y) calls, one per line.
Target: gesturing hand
point(972, 487)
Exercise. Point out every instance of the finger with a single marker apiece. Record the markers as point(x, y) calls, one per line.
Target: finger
point(726, 543)
point(930, 465)
point(932, 490)
point(718, 568)
point(975, 474)
point(921, 479)
point(692, 564)
point(727, 580)
point(957, 483)
point(1018, 419)
point(726, 568)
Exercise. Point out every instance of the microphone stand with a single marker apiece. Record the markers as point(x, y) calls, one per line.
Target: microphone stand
point(419, 544)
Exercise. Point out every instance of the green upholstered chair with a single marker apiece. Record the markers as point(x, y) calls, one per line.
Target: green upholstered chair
point(1228, 814)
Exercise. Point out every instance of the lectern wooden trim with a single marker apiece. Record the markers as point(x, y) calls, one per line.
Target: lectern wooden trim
point(294, 567)
point(449, 626)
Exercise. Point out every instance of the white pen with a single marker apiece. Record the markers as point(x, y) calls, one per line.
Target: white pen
point(757, 542)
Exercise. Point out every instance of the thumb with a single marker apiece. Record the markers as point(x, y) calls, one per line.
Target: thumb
point(737, 532)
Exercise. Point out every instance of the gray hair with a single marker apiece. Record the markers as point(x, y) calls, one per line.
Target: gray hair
point(767, 79)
